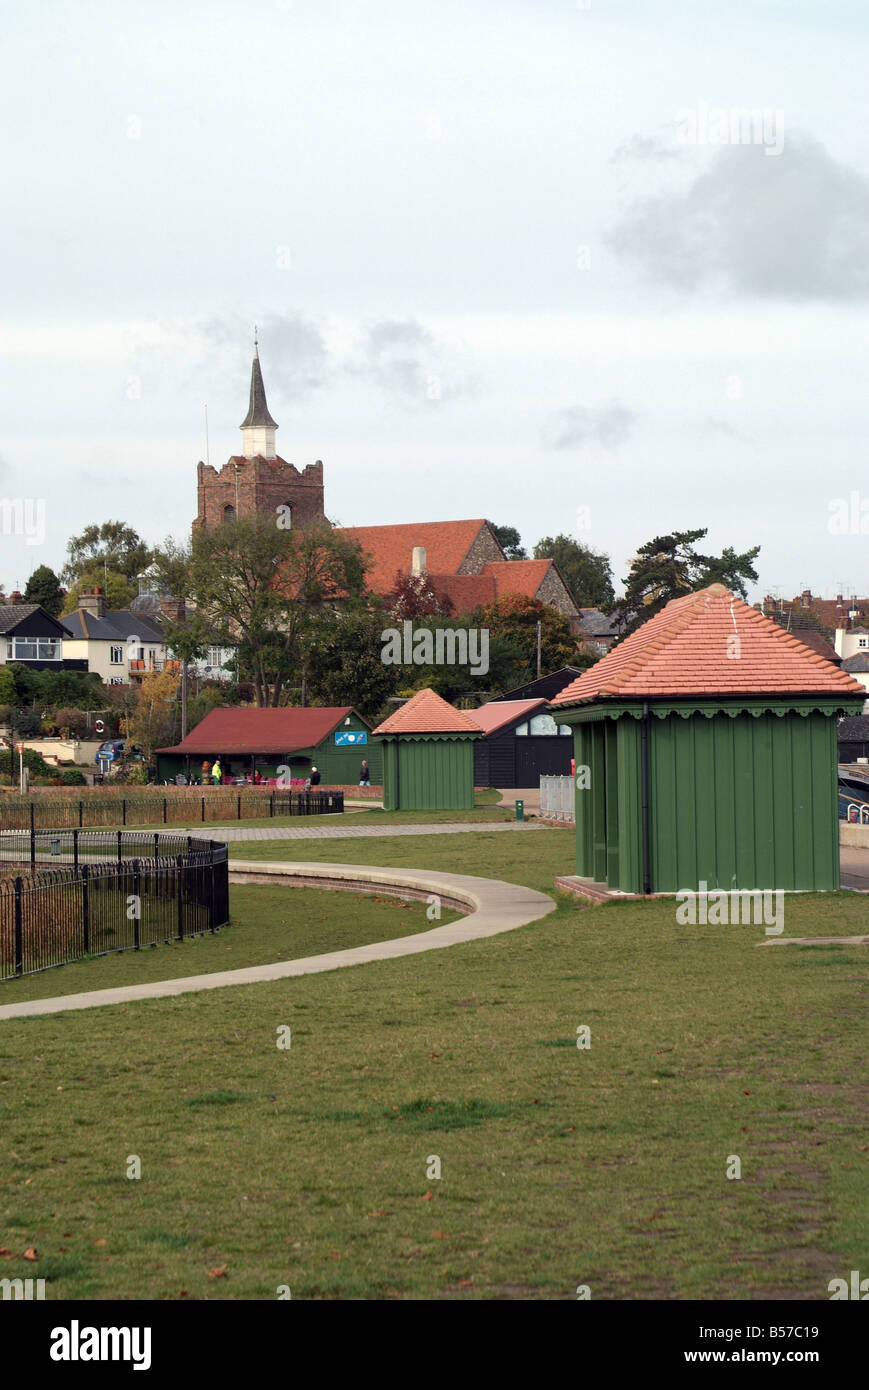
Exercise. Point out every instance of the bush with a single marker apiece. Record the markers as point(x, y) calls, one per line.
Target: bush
point(72, 778)
point(33, 761)
point(71, 722)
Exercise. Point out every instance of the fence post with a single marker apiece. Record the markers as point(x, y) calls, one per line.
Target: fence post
point(156, 846)
point(32, 836)
point(271, 804)
point(80, 814)
point(75, 849)
point(164, 810)
point(19, 945)
point(180, 863)
point(123, 810)
point(120, 856)
point(203, 810)
point(239, 806)
point(211, 912)
point(85, 908)
point(138, 904)
point(189, 844)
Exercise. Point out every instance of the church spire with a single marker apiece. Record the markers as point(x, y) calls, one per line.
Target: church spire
point(258, 427)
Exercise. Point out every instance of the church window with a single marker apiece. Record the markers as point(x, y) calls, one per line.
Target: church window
point(228, 513)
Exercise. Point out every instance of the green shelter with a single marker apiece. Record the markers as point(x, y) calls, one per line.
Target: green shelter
point(428, 756)
point(705, 754)
point(334, 739)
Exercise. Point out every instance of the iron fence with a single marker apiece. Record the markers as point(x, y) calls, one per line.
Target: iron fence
point(104, 893)
point(20, 813)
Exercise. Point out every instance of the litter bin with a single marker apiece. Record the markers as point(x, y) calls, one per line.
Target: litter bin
point(520, 810)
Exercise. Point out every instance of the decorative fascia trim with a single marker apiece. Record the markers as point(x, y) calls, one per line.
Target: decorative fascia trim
point(779, 705)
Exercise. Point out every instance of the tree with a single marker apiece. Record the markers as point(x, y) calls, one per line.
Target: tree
point(117, 588)
point(187, 638)
point(262, 587)
point(586, 572)
point(153, 718)
point(414, 596)
point(344, 660)
point(111, 546)
point(510, 542)
point(71, 722)
point(515, 617)
point(668, 567)
point(44, 588)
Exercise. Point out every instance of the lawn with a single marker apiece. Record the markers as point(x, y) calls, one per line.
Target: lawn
point(268, 924)
point(309, 1167)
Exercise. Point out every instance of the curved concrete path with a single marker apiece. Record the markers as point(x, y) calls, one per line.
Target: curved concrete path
point(496, 907)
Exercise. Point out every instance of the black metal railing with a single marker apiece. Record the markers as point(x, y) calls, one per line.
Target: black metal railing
point(104, 892)
point(187, 806)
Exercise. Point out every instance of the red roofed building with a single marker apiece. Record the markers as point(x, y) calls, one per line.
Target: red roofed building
point(334, 739)
point(428, 756)
point(705, 750)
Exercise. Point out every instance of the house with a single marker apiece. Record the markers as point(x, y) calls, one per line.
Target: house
point(705, 749)
point(32, 637)
point(521, 743)
point(157, 607)
point(332, 739)
point(858, 667)
point(461, 559)
point(597, 631)
point(118, 644)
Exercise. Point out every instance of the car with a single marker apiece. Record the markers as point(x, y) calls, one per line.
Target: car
point(114, 750)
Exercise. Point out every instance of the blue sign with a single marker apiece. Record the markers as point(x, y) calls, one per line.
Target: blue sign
point(345, 737)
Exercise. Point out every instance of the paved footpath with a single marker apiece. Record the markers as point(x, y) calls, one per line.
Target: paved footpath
point(359, 832)
point(495, 907)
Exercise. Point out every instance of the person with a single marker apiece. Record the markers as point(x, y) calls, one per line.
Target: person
point(206, 771)
point(364, 775)
point(314, 780)
point(216, 772)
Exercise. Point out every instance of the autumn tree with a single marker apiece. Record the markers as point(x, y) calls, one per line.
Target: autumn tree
point(515, 617)
point(117, 588)
point(152, 721)
point(415, 596)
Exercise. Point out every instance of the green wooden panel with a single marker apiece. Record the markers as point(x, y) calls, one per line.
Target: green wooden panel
point(598, 802)
point(582, 802)
point(435, 774)
point(612, 803)
point(629, 806)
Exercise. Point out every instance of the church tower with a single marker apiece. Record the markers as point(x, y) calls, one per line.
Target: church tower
point(258, 482)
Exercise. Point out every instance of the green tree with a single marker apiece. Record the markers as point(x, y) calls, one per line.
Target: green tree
point(110, 546)
point(586, 572)
point(263, 587)
point(669, 566)
point(119, 591)
point(44, 588)
point(510, 542)
point(343, 660)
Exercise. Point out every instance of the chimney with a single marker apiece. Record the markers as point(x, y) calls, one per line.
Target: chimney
point(93, 601)
point(806, 597)
point(174, 609)
point(15, 597)
point(418, 560)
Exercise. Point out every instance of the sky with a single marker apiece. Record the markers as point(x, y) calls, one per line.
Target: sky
point(592, 267)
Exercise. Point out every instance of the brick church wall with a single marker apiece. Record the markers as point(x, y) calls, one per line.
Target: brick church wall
point(263, 486)
point(485, 547)
point(554, 592)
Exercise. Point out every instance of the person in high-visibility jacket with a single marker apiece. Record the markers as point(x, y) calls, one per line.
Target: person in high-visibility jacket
point(216, 772)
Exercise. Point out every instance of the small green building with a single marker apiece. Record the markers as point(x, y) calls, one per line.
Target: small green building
point(334, 739)
point(705, 754)
point(428, 756)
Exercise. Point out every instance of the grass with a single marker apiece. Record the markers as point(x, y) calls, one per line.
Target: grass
point(269, 924)
point(309, 1166)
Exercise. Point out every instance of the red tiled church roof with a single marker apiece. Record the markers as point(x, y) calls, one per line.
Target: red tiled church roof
point(684, 650)
point(446, 544)
point(233, 731)
point(427, 713)
point(517, 576)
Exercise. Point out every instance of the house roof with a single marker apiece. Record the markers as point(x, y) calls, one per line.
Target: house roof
point(497, 713)
point(118, 625)
point(598, 624)
point(517, 576)
point(446, 544)
point(810, 637)
point(548, 686)
point(860, 663)
point(233, 730)
point(854, 728)
point(258, 411)
point(13, 614)
point(427, 713)
point(687, 649)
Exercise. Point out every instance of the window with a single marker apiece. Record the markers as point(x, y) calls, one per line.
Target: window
point(522, 730)
point(116, 680)
point(152, 655)
point(229, 513)
point(33, 649)
point(116, 656)
point(214, 656)
point(565, 729)
point(861, 641)
point(542, 725)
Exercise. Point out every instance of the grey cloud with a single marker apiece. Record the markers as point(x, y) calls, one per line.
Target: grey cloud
point(403, 358)
point(608, 425)
point(794, 226)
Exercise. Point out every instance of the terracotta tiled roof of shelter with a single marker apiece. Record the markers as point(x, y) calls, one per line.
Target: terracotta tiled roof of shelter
point(684, 650)
point(446, 544)
point(496, 714)
point(228, 731)
point(427, 713)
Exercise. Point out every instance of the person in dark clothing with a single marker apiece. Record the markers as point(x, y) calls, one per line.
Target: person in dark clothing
point(364, 775)
point(314, 780)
